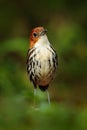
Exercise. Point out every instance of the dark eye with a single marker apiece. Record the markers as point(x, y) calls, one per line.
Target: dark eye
point(35, 34)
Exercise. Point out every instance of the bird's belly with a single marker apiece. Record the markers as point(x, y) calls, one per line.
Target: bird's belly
point(45, 68)
point(42, 66)
point(44, 72)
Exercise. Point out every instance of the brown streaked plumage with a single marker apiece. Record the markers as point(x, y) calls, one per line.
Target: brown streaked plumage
point(42, 59)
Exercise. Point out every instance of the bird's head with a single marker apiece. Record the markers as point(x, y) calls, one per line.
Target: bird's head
point(36, 34)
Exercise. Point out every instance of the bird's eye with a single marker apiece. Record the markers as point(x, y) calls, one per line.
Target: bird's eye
point(35, 34)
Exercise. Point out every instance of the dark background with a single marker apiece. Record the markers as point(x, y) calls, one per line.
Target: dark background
point(66, 22)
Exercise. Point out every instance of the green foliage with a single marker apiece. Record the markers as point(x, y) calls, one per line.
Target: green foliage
point(66, 22)
point(16, 113)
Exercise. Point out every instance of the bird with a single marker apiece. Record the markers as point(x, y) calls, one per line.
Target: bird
point(42, 60)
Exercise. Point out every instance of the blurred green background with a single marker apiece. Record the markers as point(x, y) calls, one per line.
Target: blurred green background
point(66, 22)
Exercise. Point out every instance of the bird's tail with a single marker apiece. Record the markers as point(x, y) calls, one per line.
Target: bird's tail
point(43, 88)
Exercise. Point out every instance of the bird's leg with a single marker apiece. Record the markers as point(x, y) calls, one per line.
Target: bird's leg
point(48, 96)
point(35, 93)
point(35, 99)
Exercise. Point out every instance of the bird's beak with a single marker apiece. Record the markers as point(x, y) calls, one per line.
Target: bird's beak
point(43, 32)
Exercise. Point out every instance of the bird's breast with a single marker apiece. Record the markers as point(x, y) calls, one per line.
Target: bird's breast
point(42, 64)
point(43, 56)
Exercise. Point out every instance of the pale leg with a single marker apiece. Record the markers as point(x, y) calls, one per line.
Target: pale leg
point(35, 93)
point(48, 96)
